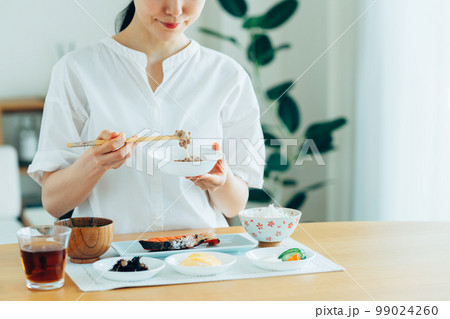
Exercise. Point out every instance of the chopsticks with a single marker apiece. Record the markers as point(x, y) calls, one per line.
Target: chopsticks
point(128, 140)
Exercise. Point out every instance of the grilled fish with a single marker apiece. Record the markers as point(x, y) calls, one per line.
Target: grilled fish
point(179, 242)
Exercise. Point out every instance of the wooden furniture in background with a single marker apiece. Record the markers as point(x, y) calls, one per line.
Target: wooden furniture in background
point(18, 106)
point(383, 261)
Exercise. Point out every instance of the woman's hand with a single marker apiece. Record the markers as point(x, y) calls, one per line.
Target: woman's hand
point(227, 192)
point(65, 189)
point(113, 153)
point(216, 178)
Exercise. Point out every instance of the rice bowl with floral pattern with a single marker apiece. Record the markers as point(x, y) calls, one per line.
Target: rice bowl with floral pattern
point(269, 228)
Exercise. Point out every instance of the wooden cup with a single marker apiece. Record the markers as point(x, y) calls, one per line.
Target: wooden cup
point(91, 237)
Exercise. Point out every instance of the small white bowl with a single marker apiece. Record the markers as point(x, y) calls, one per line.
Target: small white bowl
point(166, 160)
point(267, 258)
point(103, 265)
point(175, 260)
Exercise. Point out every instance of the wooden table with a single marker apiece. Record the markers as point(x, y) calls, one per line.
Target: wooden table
point(383, 261)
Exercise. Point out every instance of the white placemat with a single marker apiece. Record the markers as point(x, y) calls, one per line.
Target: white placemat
point(87, 279)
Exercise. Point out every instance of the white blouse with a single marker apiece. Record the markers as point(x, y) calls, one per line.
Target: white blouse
point(105, 87)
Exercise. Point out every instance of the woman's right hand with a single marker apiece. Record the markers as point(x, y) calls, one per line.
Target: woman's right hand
point(113, 153)
point(59, 195)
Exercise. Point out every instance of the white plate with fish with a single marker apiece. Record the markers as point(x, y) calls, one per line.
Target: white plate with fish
point(201, 264)
point(174, 160)
point(103, 267)
point(228, 243)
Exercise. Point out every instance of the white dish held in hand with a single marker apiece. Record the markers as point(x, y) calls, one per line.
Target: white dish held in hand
point(168, 160)
point(175, 260)
point(267, 258)
point(103, 265)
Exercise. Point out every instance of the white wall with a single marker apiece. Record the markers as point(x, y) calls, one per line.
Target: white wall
point(344, 21)
point(32, 30)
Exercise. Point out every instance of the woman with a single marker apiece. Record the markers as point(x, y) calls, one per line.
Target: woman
point(149, 75)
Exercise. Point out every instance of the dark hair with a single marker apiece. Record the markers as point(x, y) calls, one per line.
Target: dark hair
point(124, 17)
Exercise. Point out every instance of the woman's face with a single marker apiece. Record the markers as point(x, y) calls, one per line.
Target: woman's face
point(167, 19)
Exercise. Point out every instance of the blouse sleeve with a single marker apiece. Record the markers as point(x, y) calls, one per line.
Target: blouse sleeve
point(63, 121)
point(243, 141)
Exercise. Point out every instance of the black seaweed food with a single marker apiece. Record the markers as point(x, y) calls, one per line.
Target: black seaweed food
point(134, 264)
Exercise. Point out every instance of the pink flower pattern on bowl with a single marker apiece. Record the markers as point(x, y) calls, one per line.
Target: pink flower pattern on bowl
point(277, 229)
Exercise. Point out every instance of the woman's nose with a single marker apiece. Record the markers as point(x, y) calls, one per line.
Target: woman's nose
point(174, 7)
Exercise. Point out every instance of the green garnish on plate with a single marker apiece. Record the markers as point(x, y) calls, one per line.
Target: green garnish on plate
point(293, 254)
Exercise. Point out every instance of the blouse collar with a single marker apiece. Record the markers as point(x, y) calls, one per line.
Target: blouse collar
point(141, 58)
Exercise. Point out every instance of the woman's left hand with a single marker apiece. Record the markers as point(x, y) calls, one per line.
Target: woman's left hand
point(216, 178)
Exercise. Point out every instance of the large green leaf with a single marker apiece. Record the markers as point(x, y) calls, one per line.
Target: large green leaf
point(321, 134)
point(258, 195)
point(260, 50)
point(218, 35)
point(296, 201)
point(237, 8)
point(273, 18)
point(289, 113)
point(275, 92)
point(289, 182)
point(277, 162)
point(324, 127)
point(283, 47)
point(324, 143)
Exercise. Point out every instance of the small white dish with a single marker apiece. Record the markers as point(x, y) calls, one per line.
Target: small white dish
point(175, 260)
point(267, 258)
point(103, 265)
point(167, 160)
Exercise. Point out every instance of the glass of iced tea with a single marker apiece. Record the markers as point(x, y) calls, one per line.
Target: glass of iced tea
point(43, 250)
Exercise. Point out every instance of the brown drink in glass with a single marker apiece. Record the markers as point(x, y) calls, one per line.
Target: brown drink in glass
point(44, 262)
point(43, 251)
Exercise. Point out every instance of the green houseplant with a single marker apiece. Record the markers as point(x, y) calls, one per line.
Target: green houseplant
point(277, 103)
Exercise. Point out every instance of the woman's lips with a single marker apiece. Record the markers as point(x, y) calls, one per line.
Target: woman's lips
point(170, 25)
